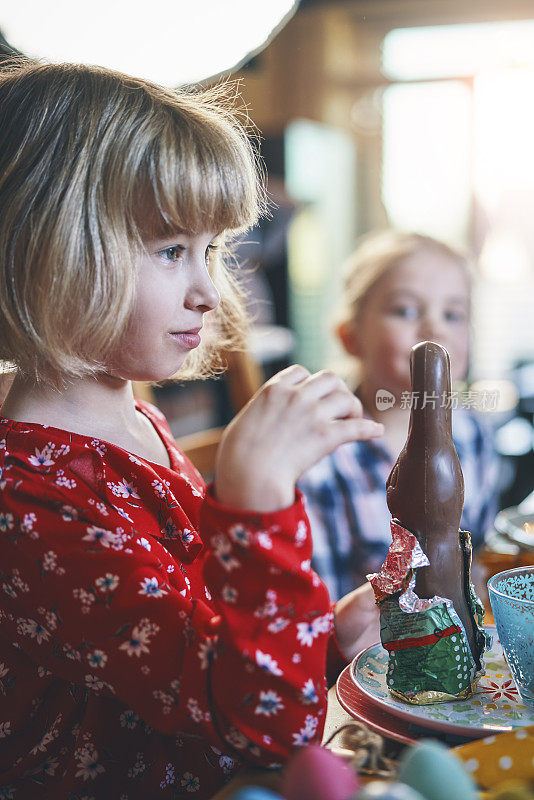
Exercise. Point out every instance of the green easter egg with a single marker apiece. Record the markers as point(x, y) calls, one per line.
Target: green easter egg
point(436, 773)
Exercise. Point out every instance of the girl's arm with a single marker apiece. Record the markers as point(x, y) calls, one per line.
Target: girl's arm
point(292, 422)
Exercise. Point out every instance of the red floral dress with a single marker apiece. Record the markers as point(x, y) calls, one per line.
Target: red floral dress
point(151, 640)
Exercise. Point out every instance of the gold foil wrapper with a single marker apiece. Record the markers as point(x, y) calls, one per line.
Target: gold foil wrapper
point(425, 698)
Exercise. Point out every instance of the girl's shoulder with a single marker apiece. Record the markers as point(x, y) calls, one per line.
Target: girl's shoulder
point(32, 445)
point(37, 475)
point(38, 461)
point(40, 448)
point(58, 476)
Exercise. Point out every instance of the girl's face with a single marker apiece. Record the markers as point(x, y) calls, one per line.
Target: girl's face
point(174, 291)
point(424, 297)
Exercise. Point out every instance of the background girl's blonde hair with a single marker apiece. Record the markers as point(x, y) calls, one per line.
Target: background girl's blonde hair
point(377, 253)
point(91, 163)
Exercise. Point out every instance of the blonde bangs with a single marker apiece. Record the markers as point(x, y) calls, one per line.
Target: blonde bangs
point(201, 173)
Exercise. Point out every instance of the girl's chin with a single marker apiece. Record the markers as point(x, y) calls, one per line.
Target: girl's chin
point(152, 373)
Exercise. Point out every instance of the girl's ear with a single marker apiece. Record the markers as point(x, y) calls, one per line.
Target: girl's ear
point(347, 335)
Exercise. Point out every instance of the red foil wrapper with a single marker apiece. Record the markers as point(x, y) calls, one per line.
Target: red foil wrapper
point(404, 555)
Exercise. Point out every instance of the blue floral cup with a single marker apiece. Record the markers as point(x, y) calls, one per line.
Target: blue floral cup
point(511, 596)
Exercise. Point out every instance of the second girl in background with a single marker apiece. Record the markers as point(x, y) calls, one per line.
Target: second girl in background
point(400, 289)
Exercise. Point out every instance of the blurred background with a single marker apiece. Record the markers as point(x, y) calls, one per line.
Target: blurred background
point(412, 113)
point(416, 114)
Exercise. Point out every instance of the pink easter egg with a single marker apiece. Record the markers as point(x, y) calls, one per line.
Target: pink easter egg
point(315, 773)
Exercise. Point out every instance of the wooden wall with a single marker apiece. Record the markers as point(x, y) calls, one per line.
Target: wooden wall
point(324, 65)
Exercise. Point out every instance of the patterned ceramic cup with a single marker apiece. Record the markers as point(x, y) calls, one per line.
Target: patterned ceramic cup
point(511, 595)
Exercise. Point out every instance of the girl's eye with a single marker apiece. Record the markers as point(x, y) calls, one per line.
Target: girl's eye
point(455, 315)
point(404, 312)
point(210, 250)
point(173, 253)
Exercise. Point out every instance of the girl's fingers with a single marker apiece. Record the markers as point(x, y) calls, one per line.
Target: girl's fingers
point(352, 430)
point(323, 383)
point(339, 404)
point(292, 375)
point(297, 398)
point(313, 386)
point(338, 432)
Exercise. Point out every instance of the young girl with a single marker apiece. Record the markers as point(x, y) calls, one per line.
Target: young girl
point(400, 289)
point(153, 635)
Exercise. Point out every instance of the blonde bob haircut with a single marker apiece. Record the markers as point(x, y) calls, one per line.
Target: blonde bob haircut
point(380, 251)
point(93, 162)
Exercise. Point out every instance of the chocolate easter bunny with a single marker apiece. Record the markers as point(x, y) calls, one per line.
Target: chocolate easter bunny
point(425, 490)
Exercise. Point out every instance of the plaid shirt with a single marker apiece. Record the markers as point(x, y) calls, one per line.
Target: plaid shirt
point(346, 502)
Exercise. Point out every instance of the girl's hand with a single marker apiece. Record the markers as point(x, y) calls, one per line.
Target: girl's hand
point(357, 621)
point(293, 421)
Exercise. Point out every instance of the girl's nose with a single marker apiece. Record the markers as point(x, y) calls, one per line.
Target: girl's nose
point(202, 293)
point(431, 328)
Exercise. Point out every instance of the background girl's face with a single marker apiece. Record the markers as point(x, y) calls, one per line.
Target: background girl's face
point(425, 296)
point(174, 291)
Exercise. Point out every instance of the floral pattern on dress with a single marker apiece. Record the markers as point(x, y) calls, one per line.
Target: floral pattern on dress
point(151, 640)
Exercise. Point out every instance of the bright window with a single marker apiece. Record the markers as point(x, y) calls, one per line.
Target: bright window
point(459, 163)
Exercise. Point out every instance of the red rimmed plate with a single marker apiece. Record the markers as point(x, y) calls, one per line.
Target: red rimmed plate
point(358, 705)
point(496, 706)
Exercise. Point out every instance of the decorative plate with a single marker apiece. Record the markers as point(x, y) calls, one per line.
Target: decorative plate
point(362, 708)
point(496, 706)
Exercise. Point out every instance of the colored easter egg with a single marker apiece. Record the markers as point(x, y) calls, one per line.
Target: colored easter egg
point(315, 773)
point(436, 773)
point(254, 793)
point(384, 790)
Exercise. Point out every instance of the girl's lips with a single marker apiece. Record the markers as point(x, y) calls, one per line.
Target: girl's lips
point(188, 339)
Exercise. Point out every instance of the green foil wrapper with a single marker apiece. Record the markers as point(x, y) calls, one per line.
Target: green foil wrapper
point(429, 656)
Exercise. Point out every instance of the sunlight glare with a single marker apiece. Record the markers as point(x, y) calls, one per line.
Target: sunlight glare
point(453, 50)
